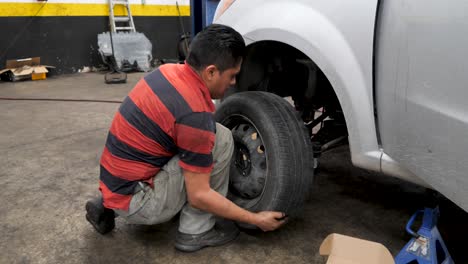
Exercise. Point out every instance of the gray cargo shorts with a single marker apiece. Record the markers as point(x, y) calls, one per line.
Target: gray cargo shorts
point(156, 205)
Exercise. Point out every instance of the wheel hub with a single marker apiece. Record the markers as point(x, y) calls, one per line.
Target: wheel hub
point(248, 167)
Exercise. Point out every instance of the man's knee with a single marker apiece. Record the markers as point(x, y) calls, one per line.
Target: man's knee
point(224, 144)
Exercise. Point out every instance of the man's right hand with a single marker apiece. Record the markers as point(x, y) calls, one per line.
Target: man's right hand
point(201, 196)
point(269, 220)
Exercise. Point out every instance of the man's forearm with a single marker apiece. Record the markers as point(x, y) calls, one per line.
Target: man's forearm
point(219, 205)
point(201, 196)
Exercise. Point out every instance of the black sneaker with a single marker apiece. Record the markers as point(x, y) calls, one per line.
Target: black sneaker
point(100, 217)
point(219, 235)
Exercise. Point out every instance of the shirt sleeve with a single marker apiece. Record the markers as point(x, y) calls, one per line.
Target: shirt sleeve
point(195, 138)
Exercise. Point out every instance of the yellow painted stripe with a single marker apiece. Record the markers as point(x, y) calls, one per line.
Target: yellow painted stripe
point(8, 9)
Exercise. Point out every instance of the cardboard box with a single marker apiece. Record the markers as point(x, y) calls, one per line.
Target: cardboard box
point(22, 69)
point(342, 249)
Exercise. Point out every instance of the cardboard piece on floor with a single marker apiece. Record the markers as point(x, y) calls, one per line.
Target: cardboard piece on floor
point(21, 69)
point(349, 250)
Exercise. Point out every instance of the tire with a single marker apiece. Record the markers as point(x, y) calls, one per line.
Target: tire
point(272, 165)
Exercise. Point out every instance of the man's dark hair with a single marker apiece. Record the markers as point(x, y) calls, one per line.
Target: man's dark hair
point(217, 44)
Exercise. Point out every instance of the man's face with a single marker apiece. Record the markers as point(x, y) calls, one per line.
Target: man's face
point(221, 81)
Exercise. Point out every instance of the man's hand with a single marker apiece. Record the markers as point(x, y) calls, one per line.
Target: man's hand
point(201, 196)
point(269, 221)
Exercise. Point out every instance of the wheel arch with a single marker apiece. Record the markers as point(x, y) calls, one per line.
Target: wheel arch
point(347, 82)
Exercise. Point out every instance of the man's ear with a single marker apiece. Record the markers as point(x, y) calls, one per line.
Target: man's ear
point(209, 72)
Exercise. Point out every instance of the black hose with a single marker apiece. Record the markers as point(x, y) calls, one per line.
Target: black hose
point(61, 100)
point(182, 28)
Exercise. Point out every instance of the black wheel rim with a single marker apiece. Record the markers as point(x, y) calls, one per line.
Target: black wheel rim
point(249, 166)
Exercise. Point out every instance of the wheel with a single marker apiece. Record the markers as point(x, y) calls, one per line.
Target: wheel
point(272, 165)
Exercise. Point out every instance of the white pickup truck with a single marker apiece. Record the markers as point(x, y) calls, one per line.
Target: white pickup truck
point(388, 76)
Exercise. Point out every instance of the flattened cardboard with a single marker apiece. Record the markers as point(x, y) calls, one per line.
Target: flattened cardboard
point(10, 64)
point(40, 69)
point(22, 69)
point(343, 249)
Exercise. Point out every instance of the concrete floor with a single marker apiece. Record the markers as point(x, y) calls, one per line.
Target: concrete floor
point(49, 156)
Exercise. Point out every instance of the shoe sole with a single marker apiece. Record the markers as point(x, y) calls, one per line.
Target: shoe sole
point(193, 248)
point(90, 208)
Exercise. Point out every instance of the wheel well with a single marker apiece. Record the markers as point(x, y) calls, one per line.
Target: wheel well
point(281, 69)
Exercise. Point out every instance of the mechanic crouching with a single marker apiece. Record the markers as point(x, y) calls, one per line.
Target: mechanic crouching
point(165, 154)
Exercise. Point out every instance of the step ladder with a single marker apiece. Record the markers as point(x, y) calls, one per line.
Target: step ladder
point(121, 23)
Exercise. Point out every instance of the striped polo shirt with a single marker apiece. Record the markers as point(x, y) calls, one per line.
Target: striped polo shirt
point(169, 112)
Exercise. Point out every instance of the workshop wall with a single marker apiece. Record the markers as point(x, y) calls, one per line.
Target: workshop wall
point(64, 32)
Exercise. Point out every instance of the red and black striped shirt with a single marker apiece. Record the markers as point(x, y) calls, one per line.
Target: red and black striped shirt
point(169, 112)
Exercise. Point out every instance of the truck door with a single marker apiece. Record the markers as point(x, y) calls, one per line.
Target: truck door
point(421, 90)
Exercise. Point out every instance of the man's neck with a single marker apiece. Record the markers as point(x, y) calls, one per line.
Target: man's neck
point(197, 72)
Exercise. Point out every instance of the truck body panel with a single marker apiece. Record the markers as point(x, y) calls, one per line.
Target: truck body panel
point(421, 90)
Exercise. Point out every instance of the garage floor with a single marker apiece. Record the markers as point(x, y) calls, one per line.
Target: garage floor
point(49, 153)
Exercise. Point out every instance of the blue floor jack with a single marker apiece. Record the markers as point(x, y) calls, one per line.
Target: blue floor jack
point(426, 246)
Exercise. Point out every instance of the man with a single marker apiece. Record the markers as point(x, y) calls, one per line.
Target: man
point(165, 154)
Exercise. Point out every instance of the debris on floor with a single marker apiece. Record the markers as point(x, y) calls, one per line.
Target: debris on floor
point(24, 69)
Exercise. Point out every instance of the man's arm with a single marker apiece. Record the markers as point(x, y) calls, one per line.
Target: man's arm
point(201, 196)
